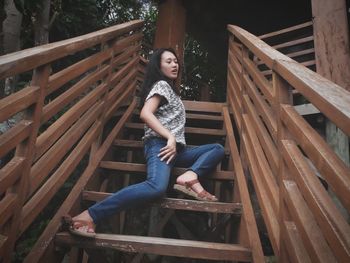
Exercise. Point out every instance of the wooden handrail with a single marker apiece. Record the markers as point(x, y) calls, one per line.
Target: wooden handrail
point(286, 30)
point(328, 97)
point(284, 155)
point(62, 117)
point(28, 59)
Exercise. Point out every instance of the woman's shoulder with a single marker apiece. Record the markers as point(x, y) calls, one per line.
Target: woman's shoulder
point(161, 84)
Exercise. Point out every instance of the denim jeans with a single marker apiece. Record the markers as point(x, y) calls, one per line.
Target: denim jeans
point(201, 160)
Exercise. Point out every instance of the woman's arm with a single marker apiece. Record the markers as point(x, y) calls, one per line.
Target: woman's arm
point(147, 115)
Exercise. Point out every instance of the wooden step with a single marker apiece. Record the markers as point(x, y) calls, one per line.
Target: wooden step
point(136, 167)
point(139, 144)
point(158, 246)
point(192, 116)
point(188, 130)
point(178, 204)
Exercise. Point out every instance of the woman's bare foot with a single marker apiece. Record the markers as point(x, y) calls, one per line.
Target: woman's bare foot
point(79, 223)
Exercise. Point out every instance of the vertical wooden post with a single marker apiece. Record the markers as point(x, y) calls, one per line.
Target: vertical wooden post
point(332, 48)
point(26, 150)
point(282, 95)
point(171, 27)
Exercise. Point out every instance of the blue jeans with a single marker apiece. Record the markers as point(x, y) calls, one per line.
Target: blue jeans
point(201, 160)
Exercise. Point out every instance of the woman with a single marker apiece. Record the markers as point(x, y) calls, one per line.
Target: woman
point(164, 146)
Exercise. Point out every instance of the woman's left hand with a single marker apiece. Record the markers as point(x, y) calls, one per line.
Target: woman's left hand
point(168, 152)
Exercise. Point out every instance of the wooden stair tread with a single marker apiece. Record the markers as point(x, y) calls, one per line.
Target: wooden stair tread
point(179, 204)
point(137, 167)
point(192, 130)
point(192, 116)
point(159, 246)
point(139, 144)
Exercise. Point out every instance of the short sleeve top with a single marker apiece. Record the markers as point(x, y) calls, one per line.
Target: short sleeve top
point(171, 114)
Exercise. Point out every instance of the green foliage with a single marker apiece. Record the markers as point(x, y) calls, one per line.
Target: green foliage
point(198, 71)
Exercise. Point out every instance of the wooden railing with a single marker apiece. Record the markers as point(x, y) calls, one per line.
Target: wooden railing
point(285, 156)
point(42, 149)
point(296, 42)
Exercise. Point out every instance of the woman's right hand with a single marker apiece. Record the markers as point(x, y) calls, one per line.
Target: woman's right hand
point(168, 152)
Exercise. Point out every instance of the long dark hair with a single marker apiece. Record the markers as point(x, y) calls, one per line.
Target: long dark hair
point(154, 74)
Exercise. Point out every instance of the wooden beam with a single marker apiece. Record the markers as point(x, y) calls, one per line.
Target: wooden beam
point(178, 204)
point(331, 33)
point(137, 167)
point(192, 130)
point(160, 246)
point(171, 26)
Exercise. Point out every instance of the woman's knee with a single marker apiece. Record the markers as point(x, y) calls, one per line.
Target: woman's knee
point(219, 150)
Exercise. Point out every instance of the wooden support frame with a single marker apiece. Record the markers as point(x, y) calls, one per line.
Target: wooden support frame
point(295, 143)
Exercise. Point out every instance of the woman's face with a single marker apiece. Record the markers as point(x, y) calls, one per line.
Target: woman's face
point(169, 65)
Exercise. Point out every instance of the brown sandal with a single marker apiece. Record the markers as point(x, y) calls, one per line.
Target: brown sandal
point(74, 225)
point(187, 189)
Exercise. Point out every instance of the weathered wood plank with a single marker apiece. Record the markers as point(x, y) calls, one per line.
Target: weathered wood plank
point(73, 93)
point(294, 243)
point(265, 111)
point(42, 168)
point(178, 204)
point(258, 79)
point(214, 107)
point(191, 130)
point(122, 98)
point(8, 206)
point(10, 173)
point(160, 246)
point(17, 134)
point(325, 160)
point(264, 137)
point(44, 195)
point(60, 78)
point(136, 167)
point(295, 54)
point(28, 59)
point(125, 57)
point(17, 102)
point(286, 30)
point(294, 42)
point(60, 126)
point(335, 228)
point(267, 180)
point(195, 116)
point(262, 50)
point(270, 215)
point(236, 112)
point(45, 242)
point(247, 213)
point(310, 232)
point(331, 99)
point(139, 144)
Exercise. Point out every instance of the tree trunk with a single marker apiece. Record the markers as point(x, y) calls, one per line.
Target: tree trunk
point(41, 24)
point(332, 47)
point(332, 44)
point(11, 28)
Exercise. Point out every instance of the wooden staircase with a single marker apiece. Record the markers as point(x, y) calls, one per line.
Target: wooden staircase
point(129, 146)
point(81, 123)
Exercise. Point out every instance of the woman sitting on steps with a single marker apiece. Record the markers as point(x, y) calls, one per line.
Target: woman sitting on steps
point(164, 147)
